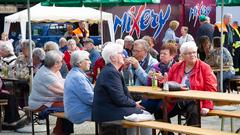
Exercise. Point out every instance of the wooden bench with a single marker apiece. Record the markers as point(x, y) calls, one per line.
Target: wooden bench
point(222, 114)
point(30, 114)
point(61, 115)
point(2, 103)
point(173, 128)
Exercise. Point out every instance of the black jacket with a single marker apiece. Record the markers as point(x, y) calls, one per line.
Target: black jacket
point(112, 99)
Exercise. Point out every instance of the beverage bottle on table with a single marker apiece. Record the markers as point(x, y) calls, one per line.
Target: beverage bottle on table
point(154, 80)
point(130, 79)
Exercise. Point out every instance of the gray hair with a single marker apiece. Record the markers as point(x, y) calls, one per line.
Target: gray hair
point(62, 39)
point(143, 43)
point(120, 42)
point(72, 42)
point(39, 52)
point(50, 45)
point(78, 56)
point(187, 45)
point(25, 44)
point(7, 46)
point(52, 57)
point(227, 15)
point(129, 38)
point(111, 49)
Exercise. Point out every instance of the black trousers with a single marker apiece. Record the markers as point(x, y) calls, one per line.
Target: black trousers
point(11, 109)
point(111, 129)
point(188, 107)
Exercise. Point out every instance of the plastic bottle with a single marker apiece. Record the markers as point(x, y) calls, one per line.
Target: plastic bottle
point(130, 79)
point(165, 87)
point(5, 70)
point(154, 80)
point(165, 84)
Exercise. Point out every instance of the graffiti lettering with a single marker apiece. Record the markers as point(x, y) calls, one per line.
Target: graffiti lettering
point(198, 10)
point(144, 18)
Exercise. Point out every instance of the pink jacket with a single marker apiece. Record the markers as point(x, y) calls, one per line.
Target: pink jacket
point(202, 78)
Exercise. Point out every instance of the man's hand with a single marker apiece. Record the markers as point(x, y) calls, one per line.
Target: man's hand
point(133, 61)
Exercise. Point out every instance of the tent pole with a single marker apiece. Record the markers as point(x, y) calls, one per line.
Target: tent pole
point(101, 21)
point(221, 65)
point(30, 45)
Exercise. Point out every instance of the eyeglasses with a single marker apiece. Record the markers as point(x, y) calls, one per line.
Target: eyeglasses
point(190, 53)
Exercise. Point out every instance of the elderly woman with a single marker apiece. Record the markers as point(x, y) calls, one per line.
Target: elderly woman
point(213, 59)
point(128, 45)
point(72, 46)
point(170, 33)
point(112, 99)
point(50, 45)
point(47, 89)
point(78, 90)
point(196, 75)
point(7, 54)
point(63, 44)
point(38, 58)
point(167, 53)
point(23, 59)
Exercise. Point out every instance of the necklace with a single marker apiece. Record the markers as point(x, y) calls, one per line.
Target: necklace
point(189, 71)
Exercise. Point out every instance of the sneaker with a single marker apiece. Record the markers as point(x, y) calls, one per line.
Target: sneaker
point(14, 125)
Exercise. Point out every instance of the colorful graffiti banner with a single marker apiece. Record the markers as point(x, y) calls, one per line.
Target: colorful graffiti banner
point(197, 10)
point(139, 20)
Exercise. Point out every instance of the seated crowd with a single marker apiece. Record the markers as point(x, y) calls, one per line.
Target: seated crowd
point(91, 85)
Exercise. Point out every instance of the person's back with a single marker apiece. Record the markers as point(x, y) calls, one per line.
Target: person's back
point(78, 96)
point(40, 95)
point(112, 100)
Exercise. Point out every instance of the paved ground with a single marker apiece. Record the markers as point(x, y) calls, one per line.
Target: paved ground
point(88, 128)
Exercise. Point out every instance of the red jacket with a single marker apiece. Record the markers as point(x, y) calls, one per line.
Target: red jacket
point(202, 78)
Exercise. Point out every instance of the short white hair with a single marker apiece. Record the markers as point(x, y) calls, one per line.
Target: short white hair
point(111, 49)
point(128, 38)
point(120, 42)
point(72, 42)
point(227, 15)
point(7, 46)
point(78, 56)
point(39, 52)
point(188, 45)
point(50, 45)
point(62, 39)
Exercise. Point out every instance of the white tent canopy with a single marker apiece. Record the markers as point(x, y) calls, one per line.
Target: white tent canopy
point(57, 14)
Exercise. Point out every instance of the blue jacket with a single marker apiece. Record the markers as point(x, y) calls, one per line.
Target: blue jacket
point(78, 96)
point(112, 100)
point(140, 75)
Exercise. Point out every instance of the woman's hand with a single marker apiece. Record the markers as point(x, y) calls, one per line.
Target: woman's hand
point(204, 111)
point(138, 105)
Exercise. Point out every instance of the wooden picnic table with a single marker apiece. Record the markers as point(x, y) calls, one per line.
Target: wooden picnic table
point(190, 94)
point(218, 69)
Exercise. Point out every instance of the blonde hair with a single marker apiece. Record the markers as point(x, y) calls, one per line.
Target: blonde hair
point(174, 24)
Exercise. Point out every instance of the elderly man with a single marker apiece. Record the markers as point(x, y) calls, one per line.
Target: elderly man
point(236, 47)
point(141, 62)
point(227, 32)
point(128, 44)
point(94, 54)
